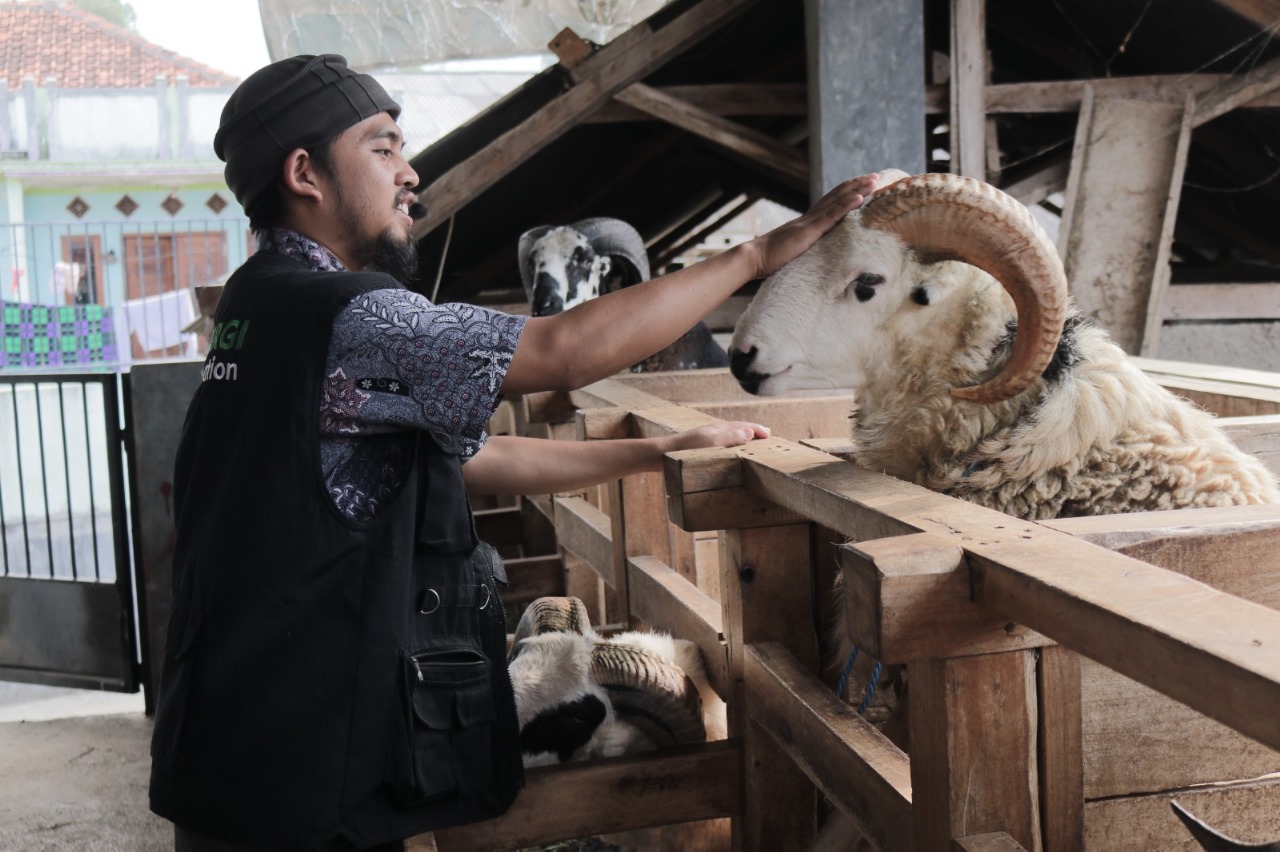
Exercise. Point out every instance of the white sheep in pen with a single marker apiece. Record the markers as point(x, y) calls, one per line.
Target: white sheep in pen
point(1052, 421)
point(1001, 395)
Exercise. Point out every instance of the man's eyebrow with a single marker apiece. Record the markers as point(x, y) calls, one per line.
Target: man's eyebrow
point(389, 133)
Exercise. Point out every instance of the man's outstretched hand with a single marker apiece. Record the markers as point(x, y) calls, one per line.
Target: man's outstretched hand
point(786, 242)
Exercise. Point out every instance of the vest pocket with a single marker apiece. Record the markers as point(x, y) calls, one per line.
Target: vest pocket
point(449, 713)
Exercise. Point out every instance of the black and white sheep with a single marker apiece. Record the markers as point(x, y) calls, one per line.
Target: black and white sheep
point(580, 695)
point(1002, 395)
point(565, 265)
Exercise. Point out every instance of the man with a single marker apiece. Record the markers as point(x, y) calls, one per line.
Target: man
point(334, 675)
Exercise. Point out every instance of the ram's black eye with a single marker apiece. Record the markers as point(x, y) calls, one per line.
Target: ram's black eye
point(920, 296)
point(864, 286)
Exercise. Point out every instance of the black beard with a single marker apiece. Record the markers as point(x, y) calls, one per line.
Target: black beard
point(396, 258)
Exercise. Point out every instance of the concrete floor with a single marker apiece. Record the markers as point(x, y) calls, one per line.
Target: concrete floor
point(74, 768)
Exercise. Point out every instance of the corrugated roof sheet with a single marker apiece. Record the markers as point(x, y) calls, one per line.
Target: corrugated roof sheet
point(80, 50)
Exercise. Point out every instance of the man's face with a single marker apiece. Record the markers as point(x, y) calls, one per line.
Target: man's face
point(370, 190)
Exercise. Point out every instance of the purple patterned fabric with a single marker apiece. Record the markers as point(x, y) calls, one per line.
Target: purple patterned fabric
point(397, 364)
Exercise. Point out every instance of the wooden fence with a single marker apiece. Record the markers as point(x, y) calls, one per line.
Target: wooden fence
point(1068, 678)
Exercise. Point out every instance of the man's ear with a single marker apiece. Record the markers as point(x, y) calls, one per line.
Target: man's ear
point(301, 176)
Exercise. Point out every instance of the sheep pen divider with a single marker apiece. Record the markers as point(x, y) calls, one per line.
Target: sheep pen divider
point(1068, 678)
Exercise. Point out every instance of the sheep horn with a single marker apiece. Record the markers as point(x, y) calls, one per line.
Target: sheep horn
point(617, 239)
point(554, 615)
point(949, 217)
point(527, 239)
point(649, 692)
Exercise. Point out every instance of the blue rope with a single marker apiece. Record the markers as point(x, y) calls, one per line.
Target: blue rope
point(871, 689)
point(848, 670)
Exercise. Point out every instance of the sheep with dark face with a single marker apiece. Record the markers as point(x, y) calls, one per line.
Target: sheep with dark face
point(1001, 395)
point(580, 695)
point(562, 266)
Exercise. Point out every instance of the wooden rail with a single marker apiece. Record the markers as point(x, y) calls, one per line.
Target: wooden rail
point(1063, 675)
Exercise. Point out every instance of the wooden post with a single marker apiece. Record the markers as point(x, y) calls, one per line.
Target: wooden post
point(973, 749)
point(1061, 750)
point(866, 88)
point(968, 88)
point(766, 597)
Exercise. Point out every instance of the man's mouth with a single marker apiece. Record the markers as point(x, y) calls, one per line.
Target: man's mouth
point(402, 207)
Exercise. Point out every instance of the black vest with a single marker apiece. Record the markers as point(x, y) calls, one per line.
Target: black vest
point(326, 683)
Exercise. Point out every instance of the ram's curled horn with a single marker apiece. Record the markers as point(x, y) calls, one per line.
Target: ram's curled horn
point(616, 239)
point(949, 217)
point(554, 615)
point(1213, 840)
point(650, 693)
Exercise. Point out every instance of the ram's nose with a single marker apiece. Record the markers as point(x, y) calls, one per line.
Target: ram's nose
point(740, 365)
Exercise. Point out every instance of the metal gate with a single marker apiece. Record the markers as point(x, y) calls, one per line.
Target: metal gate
point(67, 599)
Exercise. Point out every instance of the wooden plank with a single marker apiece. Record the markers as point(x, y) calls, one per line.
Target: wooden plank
point(622, 62)
point(1259, 436)
point(854, 765)
point(968, 88)
point(615, 794)
point(713, 383)
point(907, 598)
point(1066, 95)
point(792, 419)
point(995, 841)
point(767, 597)
point(1225, 391)
point(1255, 302)
point(789, 164)
point(500, 527)
point(1060, 749)
point(1237, 90)
point(968, 775)
point(533, 577)
point(1138, 741)
point(1264, 13)
point(666, 601)
point(1126, 176)
point(1210, 650)
point(725, 99)
point(585, 531)
point(1249, 812)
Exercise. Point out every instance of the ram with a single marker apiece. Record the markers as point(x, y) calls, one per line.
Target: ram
point(565, 265)
point(1002, 395)
point(944, 306)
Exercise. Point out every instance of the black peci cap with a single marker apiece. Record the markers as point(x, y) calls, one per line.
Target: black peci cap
point(294, 103)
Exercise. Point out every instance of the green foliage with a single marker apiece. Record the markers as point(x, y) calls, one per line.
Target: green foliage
point(115, 11)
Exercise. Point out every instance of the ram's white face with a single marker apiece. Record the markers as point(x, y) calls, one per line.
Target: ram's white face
point(820, 321)
point(565, 271)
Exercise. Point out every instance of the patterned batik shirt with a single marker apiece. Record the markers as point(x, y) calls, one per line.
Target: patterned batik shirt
point(397, 364)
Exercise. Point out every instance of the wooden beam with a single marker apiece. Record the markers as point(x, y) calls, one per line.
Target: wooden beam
point(1254, 302)
point(907, 599)
point(1060, 744)
point(1264, 13)
point(1225, 391)
point(854, 765)
point(784, 162)
point(1246, 810)
point(995, 841)
point(1237, 90)
point(968, 775)
point(1065, 95)
point(599, 76)
point(1125, 179)
point(722, 99)
point(533, 577)
point(585, 531)
point(1205, 648)
point(615, 794)
point(664, 600)
point(968, 88)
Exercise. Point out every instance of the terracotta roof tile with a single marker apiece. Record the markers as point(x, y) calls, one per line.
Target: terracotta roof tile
point(43, 39)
